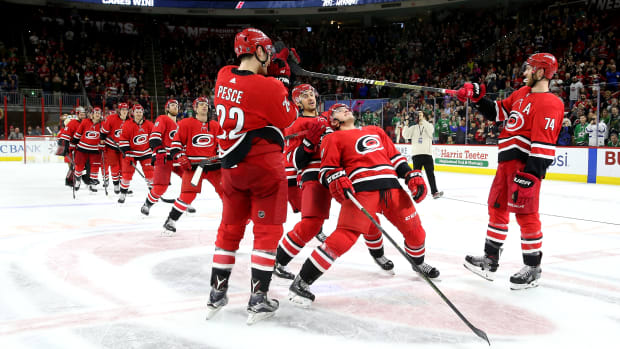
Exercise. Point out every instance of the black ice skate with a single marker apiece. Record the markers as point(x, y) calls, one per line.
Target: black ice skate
point(170, 227)
point(484, 266)
point(191, 209)
point(117, 188)
point(121, 198)
point(281, 271)
point(76, 185)
point(299, 293)
point(527, 277)
point(261, 307)
point(145, 209)
point(217, 300)
point(437, 195)
point(428, 270)
point(92, 188)
point(93, 181)
point(386, 265)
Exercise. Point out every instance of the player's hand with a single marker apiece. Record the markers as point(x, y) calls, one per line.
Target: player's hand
point(416, 184)
point(473, 91)
point(339, 185)
point(279, 69)
point(184, 162)
point(525, 188)
point(313, 135)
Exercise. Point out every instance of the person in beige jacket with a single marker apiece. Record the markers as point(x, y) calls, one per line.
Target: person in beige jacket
point(421, 135)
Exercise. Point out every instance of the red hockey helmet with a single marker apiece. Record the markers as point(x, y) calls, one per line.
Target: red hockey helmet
point(137, 107)
point(301, 89)
point(97, 109)
point(171, 101)
point(123, 105)
point(247, 40)
point(544, 61)
point(334, 108)
point(199, 100)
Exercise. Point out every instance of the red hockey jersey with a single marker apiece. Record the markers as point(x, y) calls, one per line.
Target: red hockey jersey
point(68, 131)
point(196, 139)
point(163, 133)
point(249, 106)
point(533, 123)
point(367, 155)
point(88, 136)
point(111, 130)
point(307, 164)
point(291, 141)
point(134, 140)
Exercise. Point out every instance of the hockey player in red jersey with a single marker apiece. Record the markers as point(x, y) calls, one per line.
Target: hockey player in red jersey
point(64, 142)
point(134, 144)
point(160, 142)
point(365, 162)
point(87, 139)
point(111, 130)
point(194, 142)
point(253, 110)
point(533, 120)
point(316, 199)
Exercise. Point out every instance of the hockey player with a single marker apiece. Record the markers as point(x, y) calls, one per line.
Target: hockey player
point(364, 162)
point(87, 139)
point(533, 117)
point(194, 142)
point(160, 141)
point(64, 141)
point(111, 130)
point(253, 110)
point(316, 199)
point(134, 144)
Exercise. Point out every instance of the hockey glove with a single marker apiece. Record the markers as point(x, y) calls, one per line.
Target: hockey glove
point(313, 135)
point(184, 162)
point(158, 158)
point(416, 184)
point(279, 69)
point(478, 91)
point(525, 189)
point(339, 184)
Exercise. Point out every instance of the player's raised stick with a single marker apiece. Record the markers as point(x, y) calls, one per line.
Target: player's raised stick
point(480, 333)
point(295, 68)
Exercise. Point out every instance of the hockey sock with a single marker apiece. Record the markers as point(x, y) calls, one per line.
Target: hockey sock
point(416, 253)
point(375, 245)
point(491, 248)
point(152, 198)
point(287, 250)
point(175, 213)
point(262, 268)
point(318, 263)
point(532, 259)
point(148, 203)
point(219, 278)
point(309, 272)
point(496, 235)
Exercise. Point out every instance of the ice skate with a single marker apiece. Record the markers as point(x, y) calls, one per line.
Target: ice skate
point(386, 265)
point(217, 300)
point(299, 293)
point(121, 198)
point(527, 277)
point(484, 266)
point(145, 209)
point(117, 188)
point(191, 209)
point(261, 307)
point(170, 227)
point(92, 188)
point(437, 195)
point(281, 271)
point(76, 185)
point(428, 270)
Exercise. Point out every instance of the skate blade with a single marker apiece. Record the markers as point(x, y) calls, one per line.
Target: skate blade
point(517, 287)
point(211, 311)
point(256, 317)
point(299, 301)
point(388, 272)
point(167, 233)
point(488, 275)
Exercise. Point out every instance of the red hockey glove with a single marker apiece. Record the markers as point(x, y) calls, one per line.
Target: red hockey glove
point(293, 56)
point(416, 184)
point(478, 91)
point(158, 158)
point(184, 162)
point(279, 69)
point(464, 92)
point(313, 135)
point(339, 184)
point(525, 189)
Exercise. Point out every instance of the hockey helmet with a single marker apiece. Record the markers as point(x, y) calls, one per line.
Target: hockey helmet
point(123, 106)
point(137, 107)
point(336, 107)
point(171, 101)
point(247, 40)
point(301, 89)
point(544, 61)
point(199, 100)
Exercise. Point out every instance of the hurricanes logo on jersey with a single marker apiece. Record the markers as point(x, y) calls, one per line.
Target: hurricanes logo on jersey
point(367, 144)
point(91, 135)
point(202, 140)
point(515, 121)
point(140, 139)
point(118, 132)
point(172, 133)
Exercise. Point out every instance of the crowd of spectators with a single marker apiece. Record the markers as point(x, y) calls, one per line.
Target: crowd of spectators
point(9, 65)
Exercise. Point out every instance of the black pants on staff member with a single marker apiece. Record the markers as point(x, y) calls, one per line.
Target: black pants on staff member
point(426, 161)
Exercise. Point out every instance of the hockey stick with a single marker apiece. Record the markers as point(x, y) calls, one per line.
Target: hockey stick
point(104, 172)
point(73, 170)
point(295, 68)
point(476, 330)
point(215, 160)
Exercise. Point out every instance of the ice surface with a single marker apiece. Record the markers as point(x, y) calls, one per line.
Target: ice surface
point(90, 273)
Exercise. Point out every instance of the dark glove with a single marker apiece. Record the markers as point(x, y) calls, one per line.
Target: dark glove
point(158, 158)
point(279, 69)
point(339, 184)
point(184, 162)
point(416, 184)
point(525, 189)
point(313, 135)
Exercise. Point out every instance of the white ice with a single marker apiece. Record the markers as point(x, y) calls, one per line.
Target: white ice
point(90, 273)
